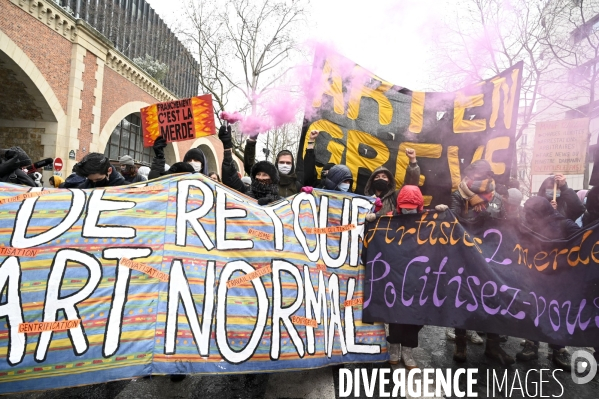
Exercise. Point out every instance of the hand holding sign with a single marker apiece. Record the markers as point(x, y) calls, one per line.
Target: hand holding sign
point(560, 180)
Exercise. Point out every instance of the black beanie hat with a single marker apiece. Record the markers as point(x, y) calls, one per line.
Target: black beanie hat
point(194, 153)
point(266, 167)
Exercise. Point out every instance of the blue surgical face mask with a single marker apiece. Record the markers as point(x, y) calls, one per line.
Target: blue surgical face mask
point(409, 211)
point(549, 194)
point(343, 187)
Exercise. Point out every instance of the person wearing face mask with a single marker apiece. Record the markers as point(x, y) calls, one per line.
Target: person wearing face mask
point(382, 183)
point(566, 201)
point(339, 178)
point(404, 337)
point(98, 172)
point(474, 201)
point(265, 176)
point(129, 170)
point(195, 157)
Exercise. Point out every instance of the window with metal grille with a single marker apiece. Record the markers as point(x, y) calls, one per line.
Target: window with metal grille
point(126, 139)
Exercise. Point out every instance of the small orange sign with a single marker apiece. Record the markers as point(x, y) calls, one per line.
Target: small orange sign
point(332, 229)
point(261, 235)
point(249, 277)
point(304, 321)
point(48, 326)
point(22, 197)
point(142, 267)
point(354, 302)
point(10, 251)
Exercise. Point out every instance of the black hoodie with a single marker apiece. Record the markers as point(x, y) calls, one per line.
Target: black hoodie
point(114, 179)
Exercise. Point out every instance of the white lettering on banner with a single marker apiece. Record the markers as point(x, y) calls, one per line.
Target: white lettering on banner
point(54, 303)
point(10, 277)
point(19, 237)
point(192, 217)
point(97, 204)
point(223, 213)
point(112, 337)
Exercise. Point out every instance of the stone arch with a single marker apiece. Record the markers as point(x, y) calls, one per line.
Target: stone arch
point(117, 116)
point(36, 84)
point(52, 118)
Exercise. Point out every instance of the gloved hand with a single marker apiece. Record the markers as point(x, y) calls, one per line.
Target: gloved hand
point(370, 217)
point(224, 134)
point(441, 208)
point(378, 204)
point(159, 146)
point(307, 189)
point(264, 201)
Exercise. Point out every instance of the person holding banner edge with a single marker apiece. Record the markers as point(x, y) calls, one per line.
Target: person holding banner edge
point(474, 201)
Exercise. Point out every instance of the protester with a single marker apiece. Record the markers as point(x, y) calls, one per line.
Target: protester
point(195, 157)
point(145, 171)
point(541, 217)
point(56, 181)
point(591, 216)
point(567, 202)
point(474, 201)
point(11, 162)
point(339, 178)
point(265, 177)
point(288, 184)
point(404, 337)
point(513, 208)
point(214, 176)
point(98, 172)
point(582, 196)
point(129, 170)
point(73, 180)
point(381, 183)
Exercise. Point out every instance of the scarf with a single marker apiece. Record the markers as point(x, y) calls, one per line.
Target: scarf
point(477, 192)
point(267, 191)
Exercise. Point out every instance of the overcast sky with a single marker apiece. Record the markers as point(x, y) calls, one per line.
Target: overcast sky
point(390, 38)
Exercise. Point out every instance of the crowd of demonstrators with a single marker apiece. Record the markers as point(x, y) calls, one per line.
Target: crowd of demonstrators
point(566, 201)
point(477, 199)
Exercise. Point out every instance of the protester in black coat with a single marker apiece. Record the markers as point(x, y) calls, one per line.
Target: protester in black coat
point(339, 178)
point(265, 177)
point(195, 157)
point(590, 217)
point(98, 172)
point(11, 162)
point(567, 202)
point(541, 217)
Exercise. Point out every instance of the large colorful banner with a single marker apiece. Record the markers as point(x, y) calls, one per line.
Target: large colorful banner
point(180, 276)
point(367, 122)
point(496, 277)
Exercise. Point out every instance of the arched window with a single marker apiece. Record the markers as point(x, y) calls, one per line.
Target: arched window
point(126, 139)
